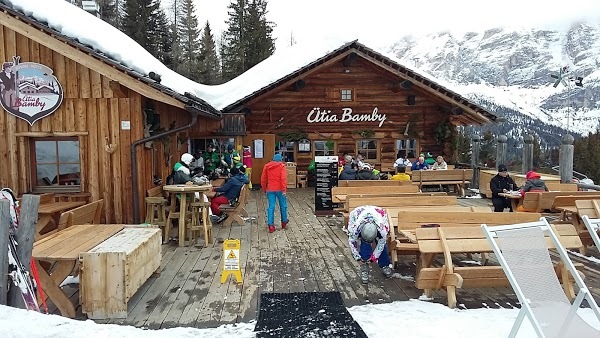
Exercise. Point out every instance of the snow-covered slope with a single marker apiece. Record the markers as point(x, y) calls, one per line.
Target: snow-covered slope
point(513, 68)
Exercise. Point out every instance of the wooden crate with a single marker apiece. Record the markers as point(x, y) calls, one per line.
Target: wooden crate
point(290, 168)
point(114, 270)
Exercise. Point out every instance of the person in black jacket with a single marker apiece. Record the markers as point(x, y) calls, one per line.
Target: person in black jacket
point(498, 184)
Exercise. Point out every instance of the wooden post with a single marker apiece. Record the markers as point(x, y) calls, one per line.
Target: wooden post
point(475, 145)
point(4, 222)
point(565, 158)
point(527, 154)
point(501, 150)
point(25, 236)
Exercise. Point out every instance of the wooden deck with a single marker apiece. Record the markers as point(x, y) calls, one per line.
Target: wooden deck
point(311, 255)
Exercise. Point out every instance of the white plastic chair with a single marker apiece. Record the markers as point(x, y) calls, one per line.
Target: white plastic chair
point(523, 253)
point(592, 225)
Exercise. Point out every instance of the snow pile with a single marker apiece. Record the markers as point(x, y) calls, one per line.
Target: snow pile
point(412, 318)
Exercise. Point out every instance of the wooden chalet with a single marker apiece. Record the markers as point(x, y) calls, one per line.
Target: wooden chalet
point(351, 100)
point(95, 140)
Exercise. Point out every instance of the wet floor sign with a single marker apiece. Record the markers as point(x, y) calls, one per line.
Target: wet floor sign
point(231, 260)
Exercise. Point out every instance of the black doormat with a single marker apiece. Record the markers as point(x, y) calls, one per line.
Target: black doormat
point(305, 314)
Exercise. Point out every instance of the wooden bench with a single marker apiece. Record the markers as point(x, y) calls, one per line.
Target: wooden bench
point(405, 222)
point(372, 183)
point(395, 202)
point(540, 201)
point(455, 240)
point(86, 214)
point(114, 270)
point(238, 211)
point(557, 186)
point(456, 177)
point(591, 209)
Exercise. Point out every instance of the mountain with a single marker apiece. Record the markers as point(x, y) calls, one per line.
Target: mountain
point(509, 71)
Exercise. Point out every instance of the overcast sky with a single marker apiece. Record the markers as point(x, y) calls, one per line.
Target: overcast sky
point(382, 22)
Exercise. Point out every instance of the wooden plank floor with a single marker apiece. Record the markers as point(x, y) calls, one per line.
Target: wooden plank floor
point(311, 255)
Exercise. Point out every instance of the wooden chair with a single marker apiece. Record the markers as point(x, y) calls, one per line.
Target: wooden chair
point(200, 222)
point(540, 201)
point(156, 213)
point(46, 198)
point(238, 211)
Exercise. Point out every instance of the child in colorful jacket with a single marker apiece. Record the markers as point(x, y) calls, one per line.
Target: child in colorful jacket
point(369, 224)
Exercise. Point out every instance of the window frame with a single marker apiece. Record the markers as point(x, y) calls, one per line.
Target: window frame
point(342, 99)
point(363, 151)
point(333, 151)
point(406, 150)
point(291, 150)
point(33, 165)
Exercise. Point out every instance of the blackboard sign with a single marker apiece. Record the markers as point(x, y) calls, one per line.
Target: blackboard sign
point(326, 173)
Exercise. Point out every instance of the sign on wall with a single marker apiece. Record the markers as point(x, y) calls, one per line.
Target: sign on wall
point(316, 115)
point(28, 90)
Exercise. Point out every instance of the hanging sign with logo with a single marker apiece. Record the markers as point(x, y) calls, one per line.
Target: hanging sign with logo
point(28, 90)
point(231, 260)
point(317, 115)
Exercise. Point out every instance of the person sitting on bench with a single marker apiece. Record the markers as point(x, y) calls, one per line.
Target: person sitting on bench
point(230, 191)
point(369, 224)
point(501, 183)
point(401, 174)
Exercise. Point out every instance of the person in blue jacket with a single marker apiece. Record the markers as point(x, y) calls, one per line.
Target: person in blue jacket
point(420, 164)
point(228, 192)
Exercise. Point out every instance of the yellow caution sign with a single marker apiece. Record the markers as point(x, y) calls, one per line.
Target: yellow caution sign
point(231, 260)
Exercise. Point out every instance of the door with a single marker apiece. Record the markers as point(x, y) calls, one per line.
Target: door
point(268, 142)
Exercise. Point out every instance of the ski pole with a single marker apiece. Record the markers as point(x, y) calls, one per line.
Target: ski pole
point(36, 276)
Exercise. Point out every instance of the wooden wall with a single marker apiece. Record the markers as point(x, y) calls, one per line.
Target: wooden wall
point(94, 112)
point(287, 109)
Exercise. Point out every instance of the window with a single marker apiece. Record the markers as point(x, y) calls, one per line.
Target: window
point(286, 148)
point(55, 163)
point(325, 148)
point(347, 95)
point(368, 148)
point(406, 148)
point(219, 143)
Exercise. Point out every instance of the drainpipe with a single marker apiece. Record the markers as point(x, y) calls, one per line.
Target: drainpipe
point(134, 183)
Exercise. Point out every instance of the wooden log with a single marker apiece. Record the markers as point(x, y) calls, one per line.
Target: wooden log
point(475, 160)
point(565, 159)
point(4, 221)
point(25, 236)
point(527, 154)
point(501, 150)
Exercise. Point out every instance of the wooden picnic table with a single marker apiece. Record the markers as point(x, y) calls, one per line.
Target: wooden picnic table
point(50, 212)
point(63, 249)
point(514, 199)
point(186, 191)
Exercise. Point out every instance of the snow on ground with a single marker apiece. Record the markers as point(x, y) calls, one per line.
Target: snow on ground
point(412, 318)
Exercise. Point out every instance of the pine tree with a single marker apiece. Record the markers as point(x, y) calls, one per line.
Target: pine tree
point(110, 11)
point(259, 43)
point(209, 60)
point(163, 39)
point(189, 34)
point(139, 22)
point(248, 39)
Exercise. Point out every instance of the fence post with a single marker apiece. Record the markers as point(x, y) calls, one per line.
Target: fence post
point(475, 145)
point(527, 154)
point(4, 226)
point(501, 150)
point(565, 158)
point(25, 236)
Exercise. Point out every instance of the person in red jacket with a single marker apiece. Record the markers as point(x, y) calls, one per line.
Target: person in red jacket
point(274, 182)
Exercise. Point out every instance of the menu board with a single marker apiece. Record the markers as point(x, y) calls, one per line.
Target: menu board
point(326, 173)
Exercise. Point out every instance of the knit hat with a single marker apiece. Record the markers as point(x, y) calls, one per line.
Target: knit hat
point(187, 158)
point(230, 146)
point(234, 171)
point(532, 174)
point(278, 158)
point(502, 167)
point(365, 166)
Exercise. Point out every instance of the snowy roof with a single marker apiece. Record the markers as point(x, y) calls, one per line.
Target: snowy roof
point(114, 47)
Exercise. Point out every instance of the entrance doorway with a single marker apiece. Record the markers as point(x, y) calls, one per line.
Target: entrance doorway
point(260, 157)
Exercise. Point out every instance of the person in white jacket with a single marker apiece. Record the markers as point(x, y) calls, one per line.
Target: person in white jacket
point(370, 225)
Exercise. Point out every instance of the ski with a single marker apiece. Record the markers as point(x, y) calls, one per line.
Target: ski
point(19, 276)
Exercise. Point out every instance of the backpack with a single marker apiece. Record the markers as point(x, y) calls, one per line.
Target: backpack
point(171, 178)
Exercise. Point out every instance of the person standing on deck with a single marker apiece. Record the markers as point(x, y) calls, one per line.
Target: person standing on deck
point(247, 161)
point(369, 224)
point(501, 183)
point(274, 182)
